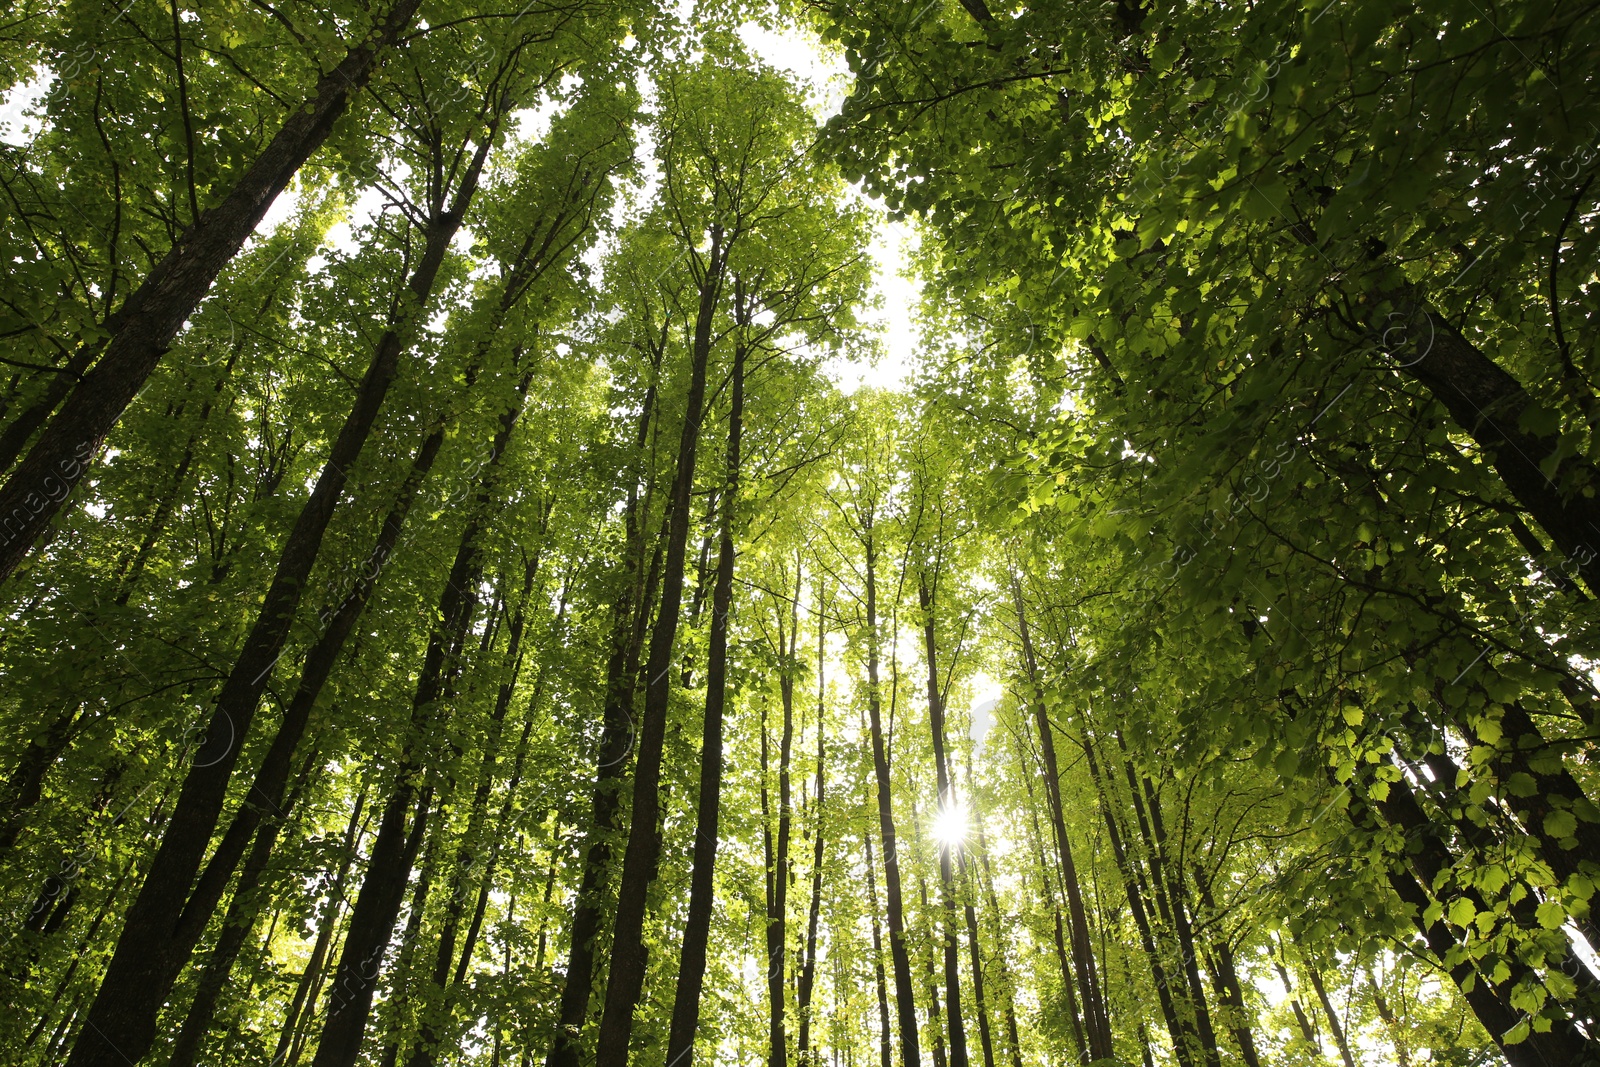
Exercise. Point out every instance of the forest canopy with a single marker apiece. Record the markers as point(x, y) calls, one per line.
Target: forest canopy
point(468, 600)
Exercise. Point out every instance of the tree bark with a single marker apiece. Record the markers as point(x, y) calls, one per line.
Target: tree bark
point(626, 980)
point(629, 624)
point(697, 927)
point(1489, 404)
point(947, 803)
point(905, 997)
point(142, 329)
point(1096, 1025)
point(394, 852)
point(808, 970)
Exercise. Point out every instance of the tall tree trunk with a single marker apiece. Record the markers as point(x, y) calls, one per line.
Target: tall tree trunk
point(1170, 875)
point(142, 329)
point(394, 851)
point(1096, 1024)
point(697, 926)
point(1007, 982)
point(162, 924)
point(947, 804)
point(885, 1037)
point(1489, 404)
point(472, 856)
point(239, 921)
point(905, 997)
point(777, 853)
point(808, 970)
point(1178, 1028)
point(629, 624)
point(307, 986)
point(1226, 977)
point(1047, 893)
point(626, 980)
point(1333, 1016)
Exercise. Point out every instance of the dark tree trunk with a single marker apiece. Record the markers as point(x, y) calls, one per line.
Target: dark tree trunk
point(1170, 875)
point(141, 331)
point(1096, 1024)
point(393, 853)
point(310, 981)
point(947, 801)
point(808, 970)
point(163, 923)
point(777, 854)
point(239, 921)
point(626, 980)
point(697, 926)
point(629, 624)
point(1489, 403)
point(1226, 976)
point(904, 992)
point(1178, 1030)
point(885, 1037)
point(1047, 893)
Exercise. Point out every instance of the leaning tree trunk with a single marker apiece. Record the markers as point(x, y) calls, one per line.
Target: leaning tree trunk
point(1096, 1024)
point(697, 926)
point(142, 329)
point(161, 924)
point(393, 852)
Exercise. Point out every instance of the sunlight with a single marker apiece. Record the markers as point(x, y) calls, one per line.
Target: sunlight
point(950, 825)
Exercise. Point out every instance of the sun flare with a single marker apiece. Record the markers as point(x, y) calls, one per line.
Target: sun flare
point(950, 825)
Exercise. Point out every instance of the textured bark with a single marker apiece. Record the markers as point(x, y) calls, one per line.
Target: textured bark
point(697, 926)
point(626, 980)
point(1489, 404)
point(141, 331)
point(777, 853)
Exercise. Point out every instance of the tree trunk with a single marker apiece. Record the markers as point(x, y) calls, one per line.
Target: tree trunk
point(142, 329)
point(808, 970)
point(240, 921)
point(1178, 1030)
point(1333, 1016)
point(697, 927)
point(885, 1038)
point(1047, 893)
point(626, 980)
point(1096, 1024)
point(473, 856)
point(1226, 976)
point(947, 803)
point(905, 997)
point(1489, 404)
point(161, 924)
point(629, 624)
point(394, 852)
point(310, 981)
